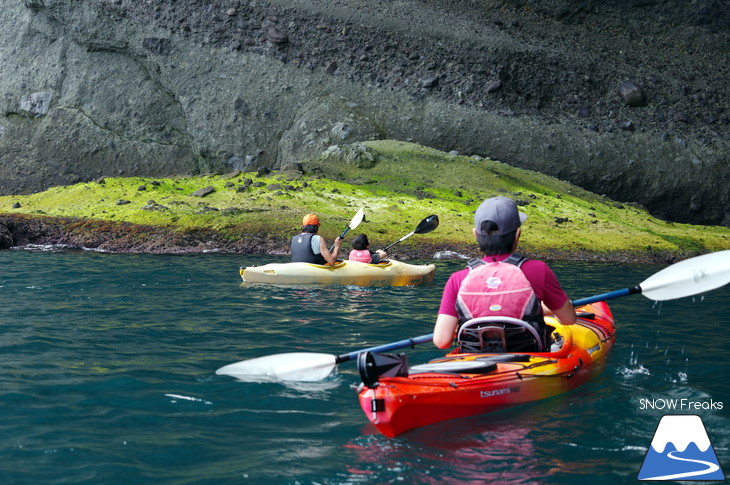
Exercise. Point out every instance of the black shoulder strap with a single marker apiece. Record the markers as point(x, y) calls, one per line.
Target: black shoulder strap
point(515, 258)
point(474, 262)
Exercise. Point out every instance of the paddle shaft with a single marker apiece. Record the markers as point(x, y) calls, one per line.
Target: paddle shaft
point(689, 277)
point(399, 240)
point(421, 339)
point(344, 232)
point(685, 278)
point(682, 274)
point(341, 236)
point(425, 226)
point(607, 296)
point(409, 342)
point(353, 224)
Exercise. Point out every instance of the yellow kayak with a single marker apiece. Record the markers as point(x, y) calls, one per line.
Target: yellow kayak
point(386, 273)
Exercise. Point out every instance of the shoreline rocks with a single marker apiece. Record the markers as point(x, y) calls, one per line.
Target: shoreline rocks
point(18, 231)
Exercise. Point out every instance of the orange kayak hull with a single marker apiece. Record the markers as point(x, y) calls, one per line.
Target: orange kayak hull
point(399, 404)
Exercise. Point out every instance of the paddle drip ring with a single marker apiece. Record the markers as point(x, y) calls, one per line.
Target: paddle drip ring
point(373, 366)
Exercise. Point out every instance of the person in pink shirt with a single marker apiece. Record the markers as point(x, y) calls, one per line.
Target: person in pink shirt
point(497, 228)
point(361, 251)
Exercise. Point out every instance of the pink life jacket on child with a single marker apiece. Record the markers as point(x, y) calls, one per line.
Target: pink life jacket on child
point(361, 255)
point(499, 289)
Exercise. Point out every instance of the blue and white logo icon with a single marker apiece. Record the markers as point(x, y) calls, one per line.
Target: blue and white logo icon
point(681, 450)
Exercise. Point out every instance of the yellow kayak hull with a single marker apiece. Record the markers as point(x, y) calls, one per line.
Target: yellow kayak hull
point(388, 273)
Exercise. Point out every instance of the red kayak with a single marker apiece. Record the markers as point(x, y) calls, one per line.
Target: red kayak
point(468, 384)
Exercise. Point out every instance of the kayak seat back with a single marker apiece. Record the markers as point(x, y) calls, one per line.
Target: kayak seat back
point(498, 335)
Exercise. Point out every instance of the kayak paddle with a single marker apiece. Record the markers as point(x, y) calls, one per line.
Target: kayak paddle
point(303, 366)
point(685, 278)
point(427, 225)
point(353, 224)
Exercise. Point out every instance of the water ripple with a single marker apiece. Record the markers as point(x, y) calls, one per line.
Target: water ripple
point(109, 377)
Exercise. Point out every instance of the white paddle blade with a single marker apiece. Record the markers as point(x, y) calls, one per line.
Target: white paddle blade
point(357, 219)
point(292, 366)
point(689, 277)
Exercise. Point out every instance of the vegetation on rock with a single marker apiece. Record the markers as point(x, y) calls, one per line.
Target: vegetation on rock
point(397, 184)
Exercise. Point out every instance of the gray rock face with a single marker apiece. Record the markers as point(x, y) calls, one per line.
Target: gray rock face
point(632, 94)
point(111, 88)
point(6, 237)
point(36, 104)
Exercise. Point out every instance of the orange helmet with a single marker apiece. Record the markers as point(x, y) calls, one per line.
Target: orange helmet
point(310, 220)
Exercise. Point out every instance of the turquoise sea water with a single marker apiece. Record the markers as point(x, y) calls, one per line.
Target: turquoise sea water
point(108, 377)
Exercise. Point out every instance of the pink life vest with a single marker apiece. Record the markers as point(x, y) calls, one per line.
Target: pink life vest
point(361, 255)
point(499, 289)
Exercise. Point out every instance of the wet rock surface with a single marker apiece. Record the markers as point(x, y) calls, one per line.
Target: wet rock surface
point(624, 98)
point(17, 231)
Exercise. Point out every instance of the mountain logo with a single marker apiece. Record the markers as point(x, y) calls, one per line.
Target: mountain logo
point(681, 450)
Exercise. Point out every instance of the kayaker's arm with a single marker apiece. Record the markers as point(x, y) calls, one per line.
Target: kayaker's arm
point(331, 258)
point(444, 330)
point(565, 314)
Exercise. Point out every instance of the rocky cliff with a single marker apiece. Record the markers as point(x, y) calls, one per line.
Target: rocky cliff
point(624, 98)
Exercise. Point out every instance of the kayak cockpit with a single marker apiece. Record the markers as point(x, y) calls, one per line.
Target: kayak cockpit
point(372, 366)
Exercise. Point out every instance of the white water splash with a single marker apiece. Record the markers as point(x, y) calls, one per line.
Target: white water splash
point(449, 255)
point(52, 248)
point(633, 371)
point(187, 398)
point(42, 248)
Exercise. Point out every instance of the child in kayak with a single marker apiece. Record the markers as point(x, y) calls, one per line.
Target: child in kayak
point(361, 252)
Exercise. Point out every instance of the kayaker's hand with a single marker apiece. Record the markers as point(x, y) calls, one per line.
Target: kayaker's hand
point(381, 253)
point(545, 310)
point(565, 314)
point(338, 242)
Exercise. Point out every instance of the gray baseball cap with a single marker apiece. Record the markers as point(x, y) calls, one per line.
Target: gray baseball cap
point(502, 212)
